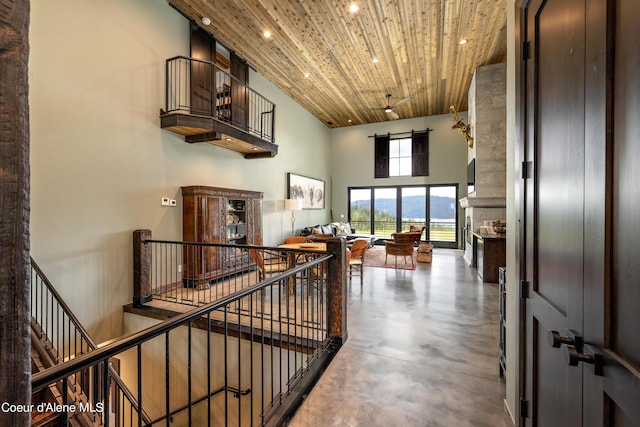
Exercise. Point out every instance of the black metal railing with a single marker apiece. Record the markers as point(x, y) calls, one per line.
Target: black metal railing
point(243, 360)
point(442, 231)
point(200, 273)
point(200, 87)
point(439, 231)
point(53, 323)
point(58, 336)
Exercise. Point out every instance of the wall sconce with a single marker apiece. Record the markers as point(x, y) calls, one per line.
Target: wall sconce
point(292, 205)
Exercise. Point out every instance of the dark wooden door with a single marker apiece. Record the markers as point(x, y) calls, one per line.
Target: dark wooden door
point(239, 91)
point(203, 81)
point(580, 244)
point(553, 204)
point(612, 281)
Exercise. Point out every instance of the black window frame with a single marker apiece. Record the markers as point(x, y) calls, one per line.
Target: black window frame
point(442, 244)
point(419, 154)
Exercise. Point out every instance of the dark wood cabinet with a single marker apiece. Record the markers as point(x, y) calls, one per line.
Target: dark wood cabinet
point(490, 254)
point(218, 215)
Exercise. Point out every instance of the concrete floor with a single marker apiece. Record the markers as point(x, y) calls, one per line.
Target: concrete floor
point(422, 351)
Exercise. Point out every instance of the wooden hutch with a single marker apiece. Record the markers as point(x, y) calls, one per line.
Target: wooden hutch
point(218, 215)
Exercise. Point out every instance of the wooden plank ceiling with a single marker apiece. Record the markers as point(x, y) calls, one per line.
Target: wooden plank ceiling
point(415, 41)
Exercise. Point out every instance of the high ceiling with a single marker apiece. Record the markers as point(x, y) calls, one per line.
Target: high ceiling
point(415, 41)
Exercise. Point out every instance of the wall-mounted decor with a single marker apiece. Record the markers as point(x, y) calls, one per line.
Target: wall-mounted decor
point(463, 128)
point(309, 190)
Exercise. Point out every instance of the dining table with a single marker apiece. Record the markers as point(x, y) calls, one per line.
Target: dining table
point(292, 256)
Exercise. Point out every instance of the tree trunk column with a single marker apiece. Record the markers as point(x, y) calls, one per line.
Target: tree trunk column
point(142, 291)
point(15, 362)
point(337, 289)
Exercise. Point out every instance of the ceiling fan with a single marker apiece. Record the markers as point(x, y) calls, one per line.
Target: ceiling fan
point(389, 108)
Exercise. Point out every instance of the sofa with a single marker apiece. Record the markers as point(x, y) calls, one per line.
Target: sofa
point(335, 229)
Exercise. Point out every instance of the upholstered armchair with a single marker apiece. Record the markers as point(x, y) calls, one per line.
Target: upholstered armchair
point(402, 245)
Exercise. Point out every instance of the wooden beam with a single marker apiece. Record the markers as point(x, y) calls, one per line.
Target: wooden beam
point(208, 129)
point(203, 137)
point(15, 342)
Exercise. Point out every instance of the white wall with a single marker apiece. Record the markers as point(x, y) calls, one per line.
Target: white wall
point(100, 163)
point(352, 157)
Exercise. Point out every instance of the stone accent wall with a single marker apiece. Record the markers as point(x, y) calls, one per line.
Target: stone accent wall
point(487, 116)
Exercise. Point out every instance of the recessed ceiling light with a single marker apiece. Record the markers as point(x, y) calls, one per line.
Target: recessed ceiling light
point(307, 75)
point(228, 139)
point(353, 8)
point(375, 60)
point(349, 121)
point(463, 41)
point(266, 34)
point(206, 21)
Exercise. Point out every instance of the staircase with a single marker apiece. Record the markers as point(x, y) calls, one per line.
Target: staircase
point(57, 337)
point(43, 356)
point(246, 359)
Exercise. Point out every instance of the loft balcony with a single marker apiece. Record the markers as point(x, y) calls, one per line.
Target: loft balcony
point(207, 104)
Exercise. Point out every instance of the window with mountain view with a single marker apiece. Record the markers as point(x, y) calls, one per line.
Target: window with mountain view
point(386, 210)
point(360, 210)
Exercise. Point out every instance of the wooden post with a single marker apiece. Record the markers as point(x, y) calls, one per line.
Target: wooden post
point(15, 363)
point(337, 289)
point(141, 267)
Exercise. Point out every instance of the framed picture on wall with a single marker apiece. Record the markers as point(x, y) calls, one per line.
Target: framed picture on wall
point(309, 190)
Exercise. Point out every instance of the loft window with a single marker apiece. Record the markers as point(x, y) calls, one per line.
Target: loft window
point(402, 156)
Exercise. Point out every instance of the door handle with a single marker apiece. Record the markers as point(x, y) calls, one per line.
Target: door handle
point(573, 357)
point(556, 340)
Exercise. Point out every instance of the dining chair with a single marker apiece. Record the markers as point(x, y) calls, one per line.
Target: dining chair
point(272, 265)
point(295, 239)
point(356, 260)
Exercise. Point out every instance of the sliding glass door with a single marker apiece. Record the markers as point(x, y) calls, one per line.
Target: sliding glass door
point(386, 210)
point(443, 213)
point(414, 207)
point(360, 210)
